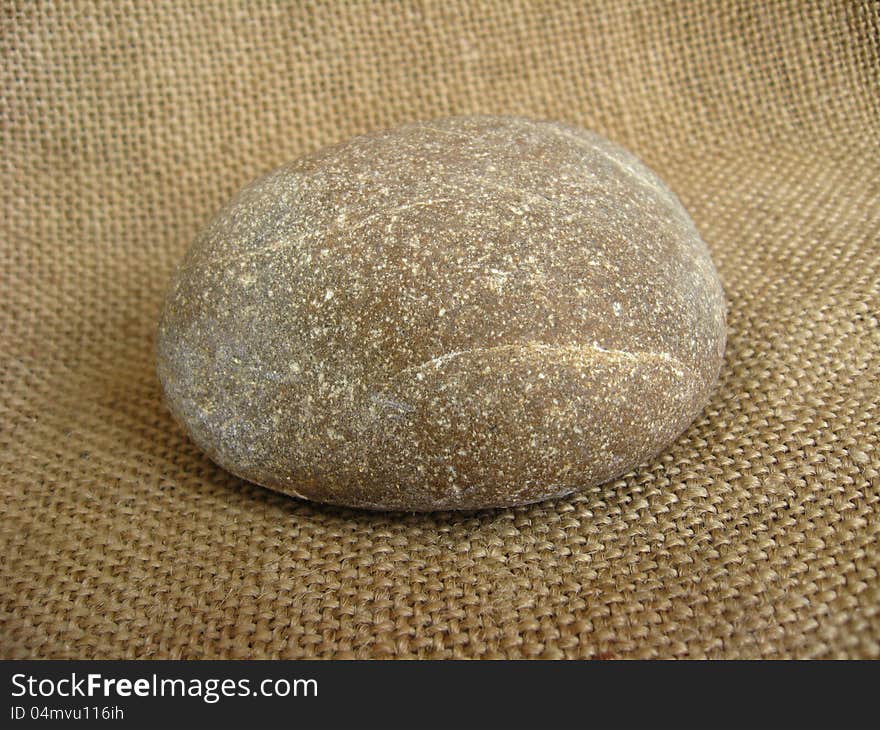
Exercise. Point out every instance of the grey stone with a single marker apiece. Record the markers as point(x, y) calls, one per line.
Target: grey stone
point(467, 313)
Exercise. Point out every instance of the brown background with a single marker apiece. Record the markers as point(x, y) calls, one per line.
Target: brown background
point(756, 535)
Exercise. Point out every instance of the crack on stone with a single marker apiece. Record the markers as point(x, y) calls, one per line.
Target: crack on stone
point(286, 243)
point(584, 350)
point(631, 171)
point(390, 211)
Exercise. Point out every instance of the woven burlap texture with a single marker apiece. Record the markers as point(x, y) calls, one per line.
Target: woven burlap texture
point(125, 127)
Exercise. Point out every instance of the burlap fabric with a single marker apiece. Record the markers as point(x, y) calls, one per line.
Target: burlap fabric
point(124, 127)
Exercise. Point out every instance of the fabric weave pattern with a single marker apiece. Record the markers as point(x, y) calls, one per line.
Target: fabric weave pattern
point(126, 125)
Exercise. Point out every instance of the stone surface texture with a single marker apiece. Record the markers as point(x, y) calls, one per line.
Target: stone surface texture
point(465, 313)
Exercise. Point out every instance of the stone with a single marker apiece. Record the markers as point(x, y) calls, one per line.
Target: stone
point(466, 313)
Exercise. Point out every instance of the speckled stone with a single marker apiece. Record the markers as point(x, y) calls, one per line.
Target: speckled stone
point(467, 313)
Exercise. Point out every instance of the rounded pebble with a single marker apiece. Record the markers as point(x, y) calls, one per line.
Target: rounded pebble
point(471, 312)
